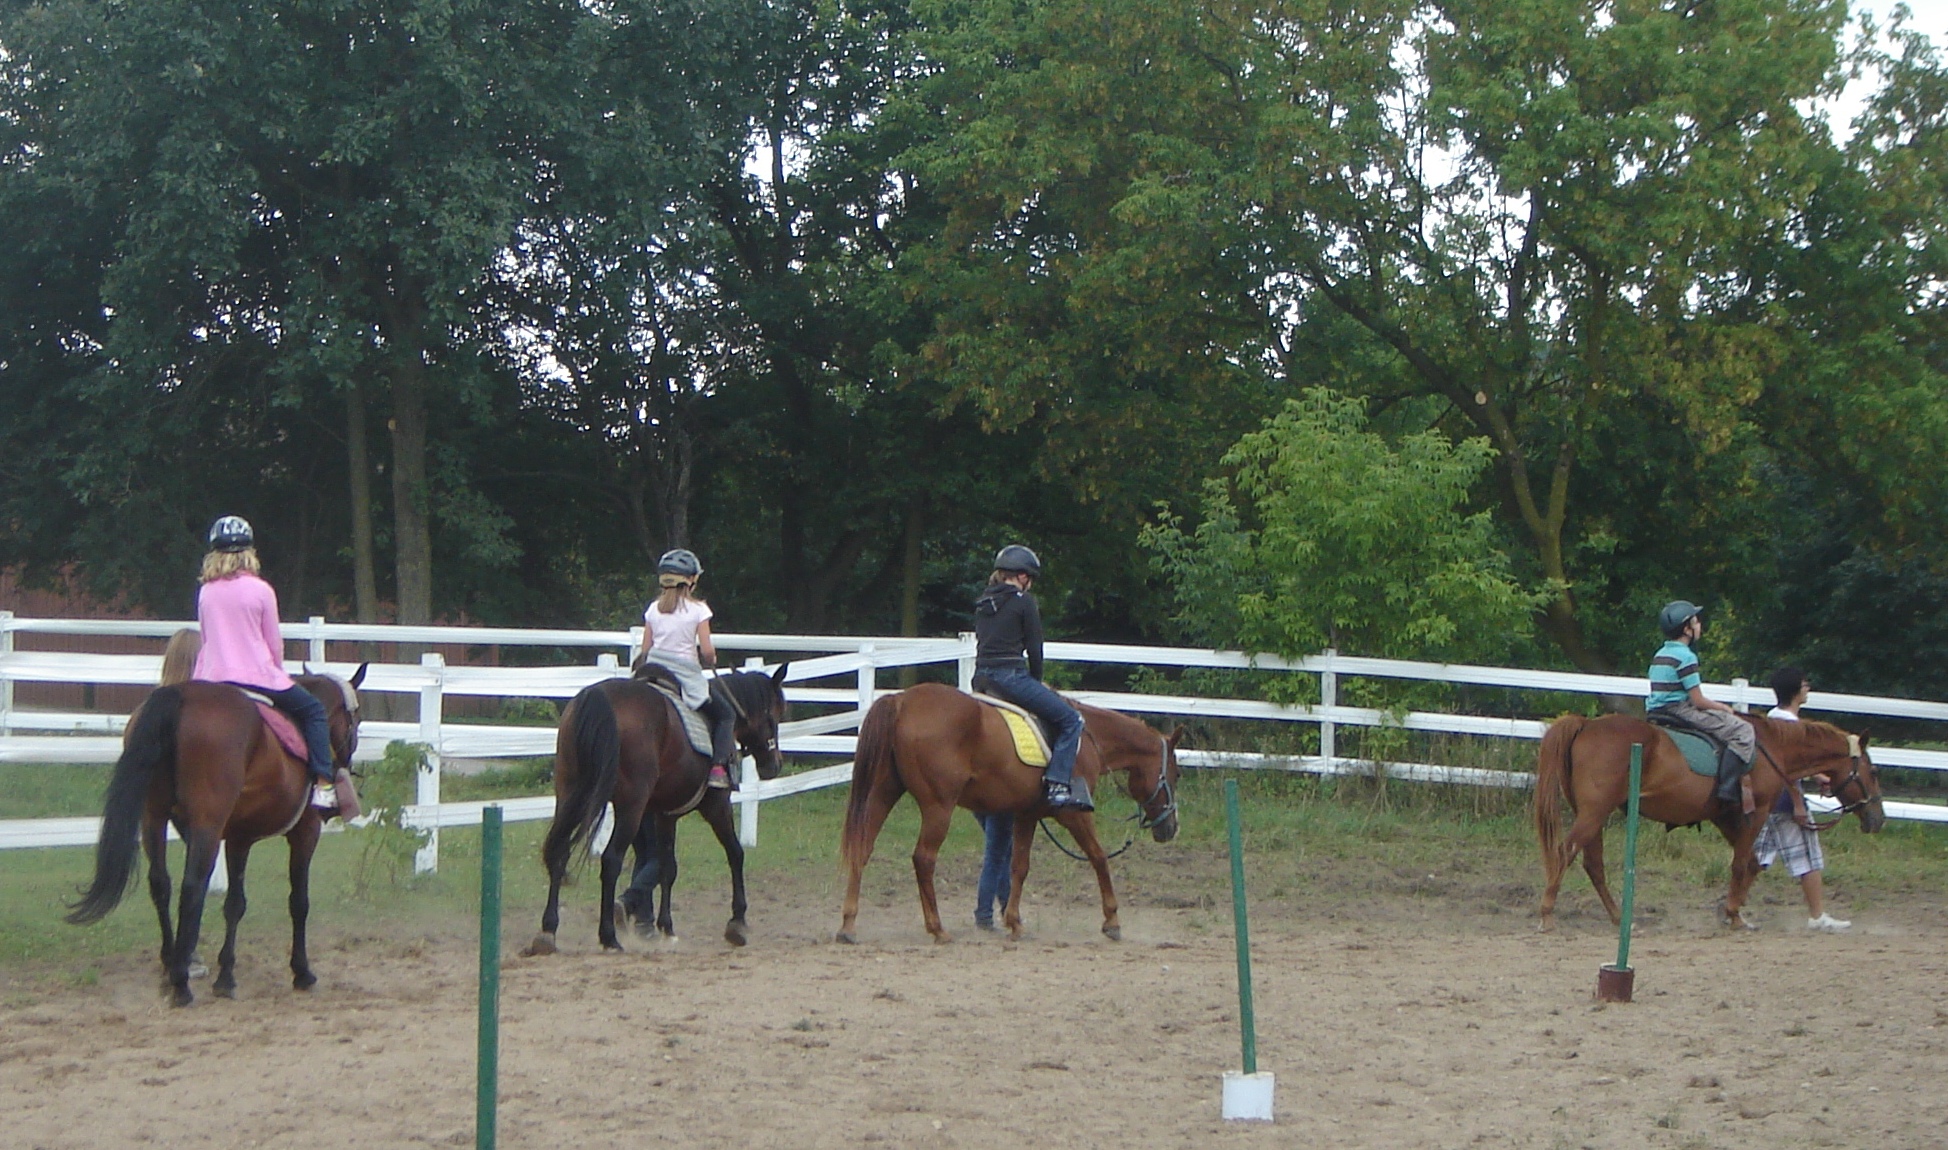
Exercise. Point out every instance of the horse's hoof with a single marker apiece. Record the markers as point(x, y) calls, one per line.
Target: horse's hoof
point(644, 928)
point(197, 969)
point(612, 947)
point(846, 937)
point(736, 933)
point(303, 980)
point(181, 996)
point(222, 991)
point(942, 938)
point(544, 943)
point(1113, 933)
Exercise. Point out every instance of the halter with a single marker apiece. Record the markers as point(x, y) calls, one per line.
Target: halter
point(1854, 758)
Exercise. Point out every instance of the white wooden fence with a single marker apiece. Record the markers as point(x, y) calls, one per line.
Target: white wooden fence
point(836, 675)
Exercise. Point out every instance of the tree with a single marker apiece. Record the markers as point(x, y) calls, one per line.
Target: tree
point(1319, 533)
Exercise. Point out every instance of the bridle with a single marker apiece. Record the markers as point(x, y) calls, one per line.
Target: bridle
point(1855, 756)
point(1143, 818)
point(737, 705)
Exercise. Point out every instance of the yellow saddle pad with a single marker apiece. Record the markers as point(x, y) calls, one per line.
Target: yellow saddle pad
point(1028, 738)
point(1031, 744)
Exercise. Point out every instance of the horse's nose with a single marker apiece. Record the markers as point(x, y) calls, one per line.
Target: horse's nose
point(1166, 830)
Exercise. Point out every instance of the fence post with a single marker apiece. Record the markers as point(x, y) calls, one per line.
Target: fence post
point(316, 656)
point(1739, 701)
point(6, 681)
point(747, 815)
point(868, 680)
point(965, 664)
point(428, 796)
point(1328, 699)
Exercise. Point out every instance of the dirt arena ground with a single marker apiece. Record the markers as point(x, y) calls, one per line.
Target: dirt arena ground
point(1414, 1025)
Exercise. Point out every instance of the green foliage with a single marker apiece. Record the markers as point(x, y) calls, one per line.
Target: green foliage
point(1321, 534)
point(386, 848)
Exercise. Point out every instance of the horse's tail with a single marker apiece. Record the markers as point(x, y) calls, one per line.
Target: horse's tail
point(597, 747)
point(149, 747)
point(1551, 781)
point(872, 766)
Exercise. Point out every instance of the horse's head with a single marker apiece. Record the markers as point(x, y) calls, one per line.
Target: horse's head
point(760, 703)
point(340, 698)
point(1856, 786)
point(1160, 804)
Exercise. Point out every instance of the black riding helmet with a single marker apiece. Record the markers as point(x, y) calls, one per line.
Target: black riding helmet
point(1015, 557)
point(231, 533)
point(1675, 615)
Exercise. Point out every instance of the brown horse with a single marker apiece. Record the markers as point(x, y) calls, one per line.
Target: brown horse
point(1589, 761)
point(947, 750)
point(198, 755)
point(621, 745)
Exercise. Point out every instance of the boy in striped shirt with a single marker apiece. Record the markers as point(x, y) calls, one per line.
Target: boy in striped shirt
point(1675, 691)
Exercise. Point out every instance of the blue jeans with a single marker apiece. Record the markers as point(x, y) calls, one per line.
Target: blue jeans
point(997, 862)
point(301, 705)
point(1063, 721)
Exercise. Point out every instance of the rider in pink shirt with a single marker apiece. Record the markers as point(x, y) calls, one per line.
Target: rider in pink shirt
point(237, 612)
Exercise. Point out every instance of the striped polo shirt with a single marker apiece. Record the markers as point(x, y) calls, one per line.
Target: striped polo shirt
point(1673, 672)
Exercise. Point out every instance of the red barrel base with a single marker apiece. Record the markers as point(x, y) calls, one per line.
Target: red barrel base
point(1613, 984)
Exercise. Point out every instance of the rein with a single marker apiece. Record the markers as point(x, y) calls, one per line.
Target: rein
point(1854, 756)
point(1143, 819)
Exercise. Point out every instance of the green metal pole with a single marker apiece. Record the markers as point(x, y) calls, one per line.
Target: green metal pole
point(1246, 1025)
point(1630, 855)
point(487, 1090)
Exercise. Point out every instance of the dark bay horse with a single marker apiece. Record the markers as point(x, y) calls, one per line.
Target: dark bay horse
point(197, 755)
point(621, 745)
point(947, 750)
point(1588, 760)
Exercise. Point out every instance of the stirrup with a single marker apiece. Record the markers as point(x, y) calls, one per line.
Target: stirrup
point(1063, 797)
point(720, 777)
point(324, 795)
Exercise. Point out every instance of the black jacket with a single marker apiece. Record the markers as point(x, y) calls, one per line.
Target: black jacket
point(1007, 625)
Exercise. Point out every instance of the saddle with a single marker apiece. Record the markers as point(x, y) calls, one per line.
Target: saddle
point(1700, 750)
point(695, 727)
point(281, 726)
point(1031, 740)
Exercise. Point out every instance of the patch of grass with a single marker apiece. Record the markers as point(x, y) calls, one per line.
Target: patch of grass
point(51, 790)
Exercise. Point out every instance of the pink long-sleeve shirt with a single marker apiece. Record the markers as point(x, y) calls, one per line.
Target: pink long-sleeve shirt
point(241, 642)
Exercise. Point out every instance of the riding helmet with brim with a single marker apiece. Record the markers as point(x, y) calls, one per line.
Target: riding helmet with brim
point(1675, 615)
point(231, 533)
point(1015, 557)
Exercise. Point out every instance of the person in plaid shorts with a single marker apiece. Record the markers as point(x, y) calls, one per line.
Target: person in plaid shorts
point(1784, 835)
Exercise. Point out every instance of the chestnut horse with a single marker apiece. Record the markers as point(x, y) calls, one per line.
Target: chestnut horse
point(948, 750)
point(621, 744)
point(1589, 761)
point(198, 755)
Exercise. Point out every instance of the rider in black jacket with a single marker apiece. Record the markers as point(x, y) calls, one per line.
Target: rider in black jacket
point(1008, 664)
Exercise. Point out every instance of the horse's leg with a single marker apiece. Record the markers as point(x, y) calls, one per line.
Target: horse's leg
point(237, 857)
point(878, 806)
point(1745, 869)
point(620, 838)
point(1593, 866)
point(303, 841)
point(199, 860)
point(155, 843)
point(666, 868)
point(718, 814)
point(1018, 874)
point(933, 831)
point(639, 901)
point(1083, 828)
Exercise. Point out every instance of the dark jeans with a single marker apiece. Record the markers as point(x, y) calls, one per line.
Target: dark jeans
point(996, 866)
point(723, 729)
point(301, 705)
point(1064, 722)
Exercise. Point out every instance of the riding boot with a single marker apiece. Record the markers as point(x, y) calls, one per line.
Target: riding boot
point(1728, 790)
point(723, 740)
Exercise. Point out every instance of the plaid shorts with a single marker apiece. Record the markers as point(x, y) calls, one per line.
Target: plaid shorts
point(1781, 837)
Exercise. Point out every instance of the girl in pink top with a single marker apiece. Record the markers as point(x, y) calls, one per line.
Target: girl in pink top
point(679, 638)
point(237, 612)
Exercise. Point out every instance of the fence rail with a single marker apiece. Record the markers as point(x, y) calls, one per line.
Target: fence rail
point(47, 736)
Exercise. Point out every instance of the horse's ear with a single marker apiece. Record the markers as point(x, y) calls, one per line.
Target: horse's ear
point(1863, 736)
point(358, 676)
point(778, 676)
point(1176, 736)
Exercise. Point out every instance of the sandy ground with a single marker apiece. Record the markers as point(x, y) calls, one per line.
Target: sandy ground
point(1416, 1025)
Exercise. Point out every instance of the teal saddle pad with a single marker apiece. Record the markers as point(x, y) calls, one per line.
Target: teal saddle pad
point(1699, 751)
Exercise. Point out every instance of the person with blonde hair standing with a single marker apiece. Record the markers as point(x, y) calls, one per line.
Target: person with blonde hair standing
point(237, 613)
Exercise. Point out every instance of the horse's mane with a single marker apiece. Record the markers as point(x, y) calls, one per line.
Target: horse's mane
point(753, 690)
point(1113, 721)
point(1803, 732)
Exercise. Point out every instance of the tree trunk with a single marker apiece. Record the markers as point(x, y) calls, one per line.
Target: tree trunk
point(365, 578)
point(411, 528)
point(910, 557)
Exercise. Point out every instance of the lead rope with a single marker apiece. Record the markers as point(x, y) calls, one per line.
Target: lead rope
point(1142, 818)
